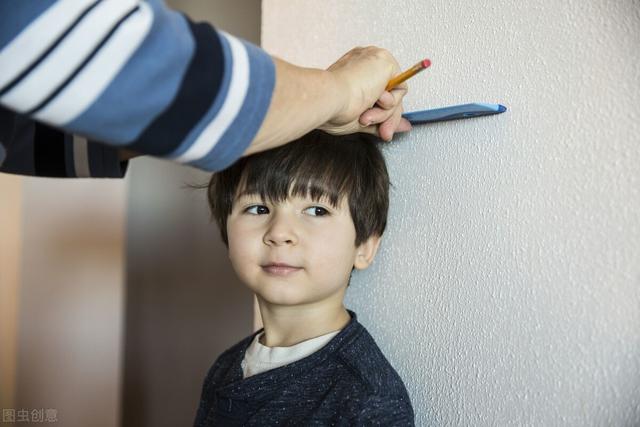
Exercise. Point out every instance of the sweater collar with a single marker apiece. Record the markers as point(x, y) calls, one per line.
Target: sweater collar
point(259, 386)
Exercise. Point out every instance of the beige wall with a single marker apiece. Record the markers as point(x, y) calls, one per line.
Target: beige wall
point(71, 299)
point(240, 18)
point(61, 283)
point(10, 244)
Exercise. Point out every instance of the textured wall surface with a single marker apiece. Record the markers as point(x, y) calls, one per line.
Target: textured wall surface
point(507, 288)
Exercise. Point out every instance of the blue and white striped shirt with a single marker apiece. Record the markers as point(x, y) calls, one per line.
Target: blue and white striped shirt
point(130, 73)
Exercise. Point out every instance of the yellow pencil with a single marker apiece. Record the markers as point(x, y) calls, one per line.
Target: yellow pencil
point(408, 74)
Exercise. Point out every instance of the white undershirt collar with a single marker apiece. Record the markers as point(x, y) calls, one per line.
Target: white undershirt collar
point(259, 358)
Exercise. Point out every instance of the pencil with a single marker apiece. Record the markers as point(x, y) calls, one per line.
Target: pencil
point(408, 74)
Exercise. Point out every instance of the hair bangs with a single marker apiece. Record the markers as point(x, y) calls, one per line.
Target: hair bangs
point(305, 177)
point(322, 167)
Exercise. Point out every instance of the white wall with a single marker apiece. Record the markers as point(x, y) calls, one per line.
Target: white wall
point(507, 288)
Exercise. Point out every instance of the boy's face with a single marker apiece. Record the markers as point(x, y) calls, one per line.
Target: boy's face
point(315, 239)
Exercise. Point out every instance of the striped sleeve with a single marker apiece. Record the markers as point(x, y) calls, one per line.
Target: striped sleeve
point(32, 148)
point(134, 75)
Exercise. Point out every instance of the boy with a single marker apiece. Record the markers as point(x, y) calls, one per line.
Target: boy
point(290, 217)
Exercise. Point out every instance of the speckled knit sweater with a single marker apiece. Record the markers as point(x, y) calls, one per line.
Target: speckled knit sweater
point(346, 382)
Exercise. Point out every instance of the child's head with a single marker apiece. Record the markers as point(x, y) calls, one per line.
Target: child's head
point(318, 204)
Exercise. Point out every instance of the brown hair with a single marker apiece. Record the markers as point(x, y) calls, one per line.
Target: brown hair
point(318, 165)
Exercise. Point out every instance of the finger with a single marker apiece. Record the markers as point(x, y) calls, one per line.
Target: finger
point(390, 99)
point(386, 100)
point(389, 127)
point(398, 94)
point(374, 116)
point(350, 128)
point(377, 115)
point(404, 126)
point(373, 130)
point(402, 87)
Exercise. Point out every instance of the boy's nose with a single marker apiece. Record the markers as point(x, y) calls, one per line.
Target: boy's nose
point(280, 232)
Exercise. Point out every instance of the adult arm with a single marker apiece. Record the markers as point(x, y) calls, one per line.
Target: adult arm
point(39, 150)
point(145, 79)
point(338, 100)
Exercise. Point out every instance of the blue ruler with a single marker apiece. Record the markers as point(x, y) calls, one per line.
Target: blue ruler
point(453, 112)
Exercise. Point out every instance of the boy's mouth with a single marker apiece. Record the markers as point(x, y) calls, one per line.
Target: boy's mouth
point(280, 269)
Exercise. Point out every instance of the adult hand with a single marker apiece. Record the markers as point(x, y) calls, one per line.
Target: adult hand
point(363, 73)
point(346, 98)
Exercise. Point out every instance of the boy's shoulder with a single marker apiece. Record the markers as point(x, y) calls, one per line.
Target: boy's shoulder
point(347, 379)
point(383, 397)
point(366, 361)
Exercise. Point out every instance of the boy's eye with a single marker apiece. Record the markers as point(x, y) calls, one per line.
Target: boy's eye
point(257, 210)
point(317, 211)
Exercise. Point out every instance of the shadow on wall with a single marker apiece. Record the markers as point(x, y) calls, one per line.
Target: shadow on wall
point(184, 304)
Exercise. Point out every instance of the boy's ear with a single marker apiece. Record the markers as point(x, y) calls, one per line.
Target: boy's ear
point(366, 252)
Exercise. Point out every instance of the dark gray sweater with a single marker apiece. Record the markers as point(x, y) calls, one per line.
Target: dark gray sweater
point(346, 382)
